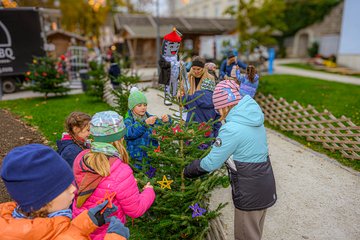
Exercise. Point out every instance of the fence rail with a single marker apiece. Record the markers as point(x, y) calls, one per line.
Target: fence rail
point(335, 134)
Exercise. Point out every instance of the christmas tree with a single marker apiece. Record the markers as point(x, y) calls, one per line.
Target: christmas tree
point(180, 210)
point(96, 83)
point(122, 92)
point(46, 76)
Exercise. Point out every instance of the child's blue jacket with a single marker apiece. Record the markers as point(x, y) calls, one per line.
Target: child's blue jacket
point(138, 134)
point(243, 137)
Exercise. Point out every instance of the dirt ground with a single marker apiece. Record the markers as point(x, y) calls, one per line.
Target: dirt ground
point(14, 133)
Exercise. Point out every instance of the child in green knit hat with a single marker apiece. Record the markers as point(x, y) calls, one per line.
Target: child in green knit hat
point(139, 124)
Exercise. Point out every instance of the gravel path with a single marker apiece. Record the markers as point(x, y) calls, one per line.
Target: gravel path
point(317, 198)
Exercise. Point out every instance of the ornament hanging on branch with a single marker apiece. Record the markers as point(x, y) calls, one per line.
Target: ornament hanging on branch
point(151, 172)
point(197, 210)
point(165, 183)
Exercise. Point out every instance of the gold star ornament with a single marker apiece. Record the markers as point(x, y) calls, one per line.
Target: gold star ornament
point(165, 183)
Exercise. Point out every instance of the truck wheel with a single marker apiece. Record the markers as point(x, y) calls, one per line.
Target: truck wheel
point(8, 85)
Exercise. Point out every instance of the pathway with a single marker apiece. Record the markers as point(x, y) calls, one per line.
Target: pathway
point(313, 74)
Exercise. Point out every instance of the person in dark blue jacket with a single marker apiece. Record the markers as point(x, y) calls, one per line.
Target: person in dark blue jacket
point(203, 106)
point(139, 127)
point(114, 72)
point(73, 141)
point(228, 64)
point(242, 146)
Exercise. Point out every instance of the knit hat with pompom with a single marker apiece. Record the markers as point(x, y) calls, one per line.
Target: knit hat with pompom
point(136, 97)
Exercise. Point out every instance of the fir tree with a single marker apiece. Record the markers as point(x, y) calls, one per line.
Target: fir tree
point(122, 92)
point(180, 210)
point(96, 83)
point(46, 77)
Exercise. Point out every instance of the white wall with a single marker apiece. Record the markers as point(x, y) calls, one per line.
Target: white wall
point(201, 8)
point(349, 50)
point(329, 45)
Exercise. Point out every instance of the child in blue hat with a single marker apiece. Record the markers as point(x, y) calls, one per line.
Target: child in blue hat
point(40, 182)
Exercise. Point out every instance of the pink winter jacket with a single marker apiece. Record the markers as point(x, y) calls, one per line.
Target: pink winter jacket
point(128, 198)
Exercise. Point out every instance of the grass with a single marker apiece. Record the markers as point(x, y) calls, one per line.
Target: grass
point(49, 115)
point(310, 67)
point(339, 98)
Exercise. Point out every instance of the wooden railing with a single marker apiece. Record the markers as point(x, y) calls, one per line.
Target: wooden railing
point(335, 134)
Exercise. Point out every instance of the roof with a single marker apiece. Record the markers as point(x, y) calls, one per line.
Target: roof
point(67, 34)
point(144, 26)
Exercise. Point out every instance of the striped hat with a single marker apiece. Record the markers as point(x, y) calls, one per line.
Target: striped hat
point(226, 93)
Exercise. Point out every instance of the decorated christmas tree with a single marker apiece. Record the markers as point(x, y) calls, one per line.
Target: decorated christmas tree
point(181, 209)
point(46, 76)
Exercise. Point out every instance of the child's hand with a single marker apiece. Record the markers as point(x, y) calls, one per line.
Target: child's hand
point(116, 226)
point(165, 118)
point(99, 218)
point(151, 120)
point(148, 185)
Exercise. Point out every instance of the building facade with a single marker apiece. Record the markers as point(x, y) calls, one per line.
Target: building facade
point(349, 49)
point(326, 33)
point(139, 33)
point(201, 8)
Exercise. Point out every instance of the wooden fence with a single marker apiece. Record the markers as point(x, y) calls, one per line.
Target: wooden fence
point(335, 134)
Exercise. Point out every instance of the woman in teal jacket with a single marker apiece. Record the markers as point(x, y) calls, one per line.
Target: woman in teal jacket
point(242, 146)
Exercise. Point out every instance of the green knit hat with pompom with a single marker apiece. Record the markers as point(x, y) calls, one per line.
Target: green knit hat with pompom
point(136, 97)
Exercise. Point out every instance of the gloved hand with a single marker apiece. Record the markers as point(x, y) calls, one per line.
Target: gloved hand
point(194, 170)
point(116, 226)
point(101, 218)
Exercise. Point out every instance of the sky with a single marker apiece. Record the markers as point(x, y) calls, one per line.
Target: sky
point(163, 8)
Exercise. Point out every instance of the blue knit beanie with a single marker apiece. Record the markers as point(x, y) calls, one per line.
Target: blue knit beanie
point(34, 175)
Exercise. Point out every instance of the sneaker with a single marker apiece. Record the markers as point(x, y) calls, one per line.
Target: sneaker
point(167, 103)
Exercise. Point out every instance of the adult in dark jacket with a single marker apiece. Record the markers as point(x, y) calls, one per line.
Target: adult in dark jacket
point(203, 106)
point(228, 64)
point(242, 144)
point(114, 72)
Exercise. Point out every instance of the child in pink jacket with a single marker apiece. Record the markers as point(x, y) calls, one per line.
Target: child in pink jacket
point(104, 170)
